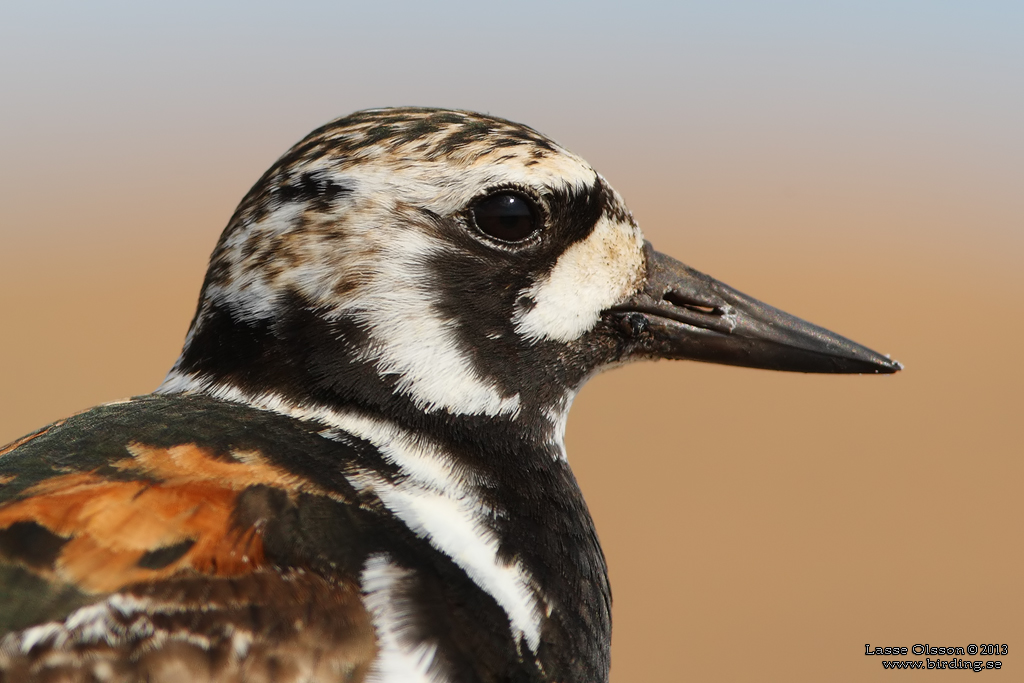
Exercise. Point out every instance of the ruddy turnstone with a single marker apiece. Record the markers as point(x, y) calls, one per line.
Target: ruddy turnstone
point(355, 470)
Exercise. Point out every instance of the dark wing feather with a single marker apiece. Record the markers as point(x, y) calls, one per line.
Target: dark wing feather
point(133, 545)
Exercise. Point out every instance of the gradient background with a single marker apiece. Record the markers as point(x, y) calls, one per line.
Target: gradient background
point(862, 167)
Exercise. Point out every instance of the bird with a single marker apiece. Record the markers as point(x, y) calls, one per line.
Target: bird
point(356, 468)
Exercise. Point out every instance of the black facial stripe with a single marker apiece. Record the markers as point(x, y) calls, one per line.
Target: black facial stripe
point(297, 352)
point(478, 287)
point(573, 213)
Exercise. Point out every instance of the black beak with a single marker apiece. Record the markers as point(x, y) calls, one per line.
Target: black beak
point(682, 313)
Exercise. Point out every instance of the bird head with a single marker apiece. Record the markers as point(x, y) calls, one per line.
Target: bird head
point(433, 262)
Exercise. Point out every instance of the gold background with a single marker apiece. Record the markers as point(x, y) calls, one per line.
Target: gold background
point(861, 170)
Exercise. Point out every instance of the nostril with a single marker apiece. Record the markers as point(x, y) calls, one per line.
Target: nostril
point(683, 301)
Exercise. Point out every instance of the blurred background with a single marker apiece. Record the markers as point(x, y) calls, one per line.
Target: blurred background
point(861, 166)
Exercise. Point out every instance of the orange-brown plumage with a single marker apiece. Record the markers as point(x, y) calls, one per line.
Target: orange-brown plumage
point(178, 495)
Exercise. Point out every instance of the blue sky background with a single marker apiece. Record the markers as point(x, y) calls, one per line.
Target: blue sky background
point(883, 97)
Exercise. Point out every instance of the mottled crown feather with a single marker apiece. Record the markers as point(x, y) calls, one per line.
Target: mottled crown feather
point(399, 136)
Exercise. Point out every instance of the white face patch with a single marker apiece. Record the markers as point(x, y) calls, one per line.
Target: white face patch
point(395, 662)
point(591, 276)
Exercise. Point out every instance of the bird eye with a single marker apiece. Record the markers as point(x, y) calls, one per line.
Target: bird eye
point(506, 216)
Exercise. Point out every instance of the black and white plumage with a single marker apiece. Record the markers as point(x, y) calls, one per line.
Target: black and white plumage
point(356, 469)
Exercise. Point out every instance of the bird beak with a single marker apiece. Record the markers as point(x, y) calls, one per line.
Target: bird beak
point(682, 313)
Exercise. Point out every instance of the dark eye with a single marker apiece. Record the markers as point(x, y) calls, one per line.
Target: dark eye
point(506, 216)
